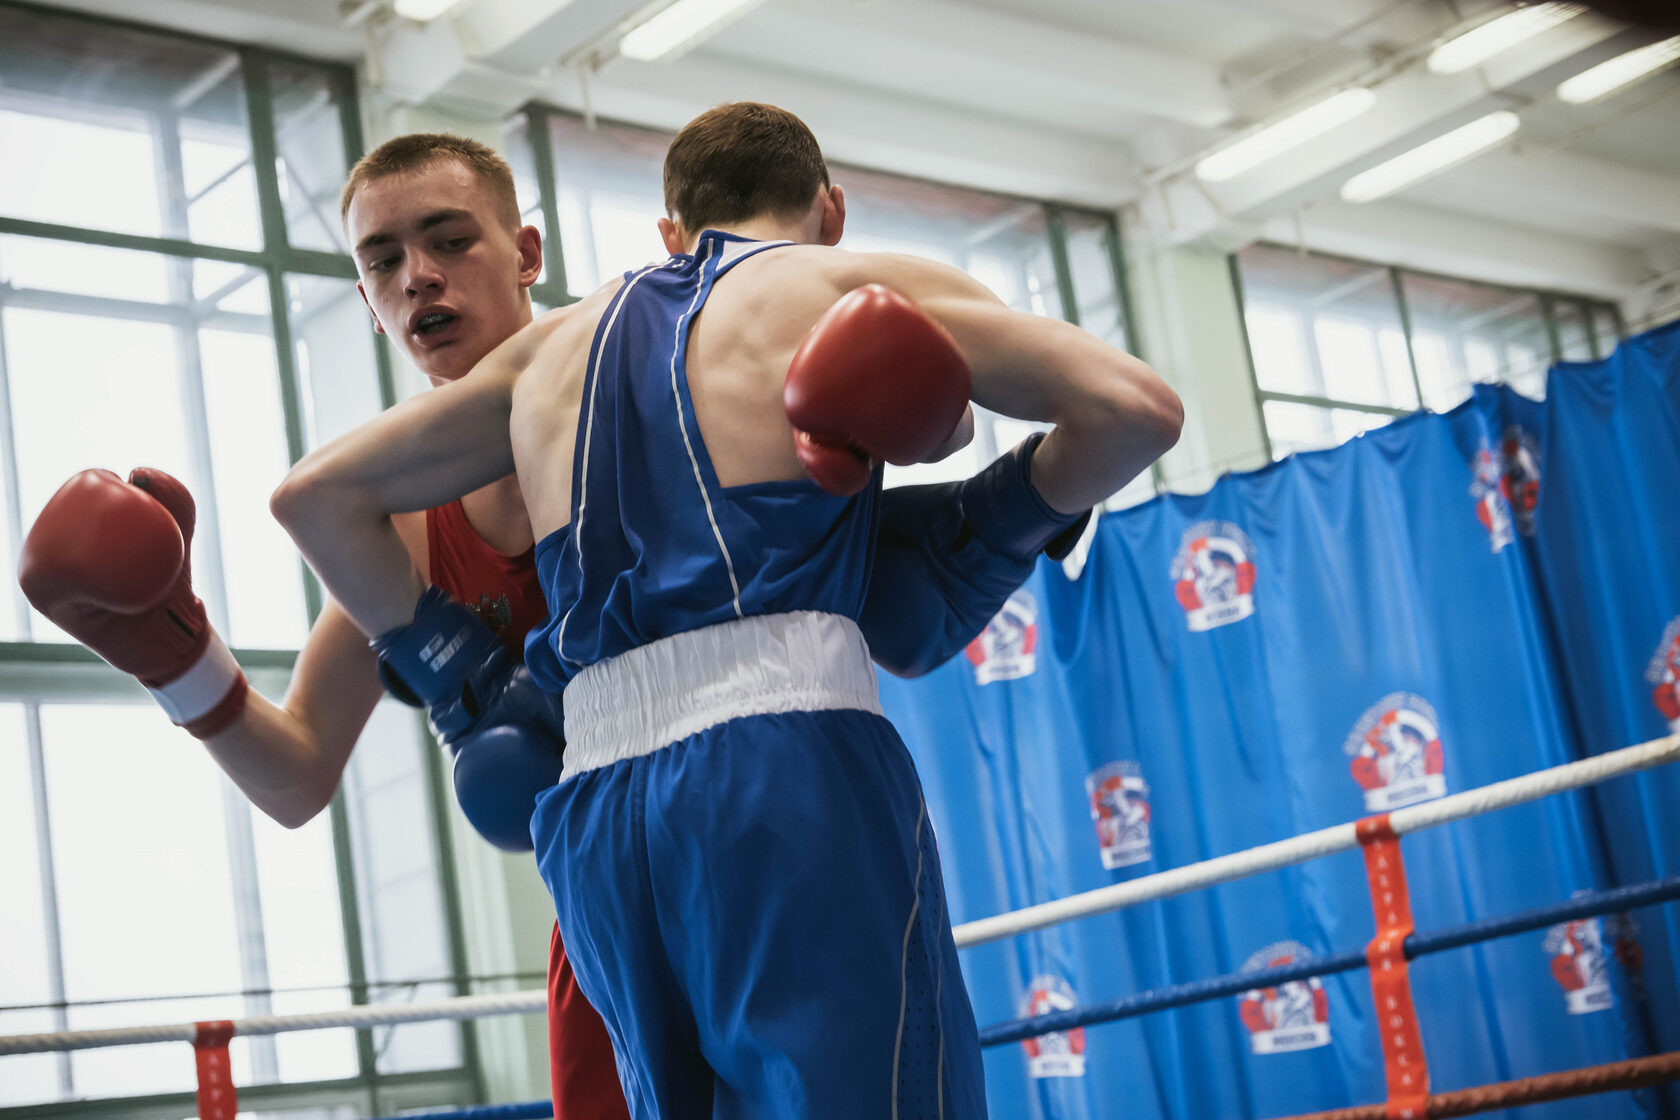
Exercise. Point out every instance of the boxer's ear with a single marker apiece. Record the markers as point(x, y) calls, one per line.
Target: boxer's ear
point(378, 327)
point(673, 235)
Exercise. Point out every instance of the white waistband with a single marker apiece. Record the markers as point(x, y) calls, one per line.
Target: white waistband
point(665, 691)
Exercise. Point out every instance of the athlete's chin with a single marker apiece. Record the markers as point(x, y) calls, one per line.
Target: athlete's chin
point(447, 358)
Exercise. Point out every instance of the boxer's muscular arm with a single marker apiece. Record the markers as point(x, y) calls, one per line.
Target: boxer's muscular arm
point(1113, 416)
point(288, 758)
point(337, 502)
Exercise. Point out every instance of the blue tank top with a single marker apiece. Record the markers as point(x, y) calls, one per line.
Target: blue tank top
point(655, 546)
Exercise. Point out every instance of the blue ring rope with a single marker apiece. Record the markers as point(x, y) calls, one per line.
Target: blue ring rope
point(1198, 991)
point(1417, 945)
point(531, 1110)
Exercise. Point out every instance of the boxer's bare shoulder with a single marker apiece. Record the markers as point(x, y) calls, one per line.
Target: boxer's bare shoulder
point(553, 355)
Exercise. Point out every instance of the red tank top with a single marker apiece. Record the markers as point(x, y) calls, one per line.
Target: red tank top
point(503, 589)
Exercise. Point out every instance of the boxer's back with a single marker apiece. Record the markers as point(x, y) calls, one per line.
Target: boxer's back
point(687, 505)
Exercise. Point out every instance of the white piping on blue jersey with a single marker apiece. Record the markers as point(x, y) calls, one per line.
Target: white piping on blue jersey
point(682, 423)
point(904, 976)
point(588, 432)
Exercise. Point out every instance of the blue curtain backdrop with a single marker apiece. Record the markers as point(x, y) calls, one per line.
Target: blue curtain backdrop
point(1447, 602)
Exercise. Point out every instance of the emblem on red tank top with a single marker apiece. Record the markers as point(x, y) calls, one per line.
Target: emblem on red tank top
point(495, 613)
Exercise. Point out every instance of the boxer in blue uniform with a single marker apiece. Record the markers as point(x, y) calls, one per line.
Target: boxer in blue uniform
point(738, 850)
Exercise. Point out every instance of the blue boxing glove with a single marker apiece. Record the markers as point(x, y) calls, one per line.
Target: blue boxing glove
point(504, 732)
point(949, 555)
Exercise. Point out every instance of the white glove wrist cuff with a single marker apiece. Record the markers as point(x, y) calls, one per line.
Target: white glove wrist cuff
point(196, 692)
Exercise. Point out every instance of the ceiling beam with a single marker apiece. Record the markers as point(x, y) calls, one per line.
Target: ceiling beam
point(981, 60)
point(1565, 190)
point(870, 128)
point(1413, 106)
point(526, 36)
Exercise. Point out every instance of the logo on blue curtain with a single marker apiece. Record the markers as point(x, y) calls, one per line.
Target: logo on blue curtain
point(1580, 966)
point(1291, 1016)
point(1004, 651)
point(1062, 1053)
point(1488, 487)
point(1213, 575)
point(1521, 452)
point(1120, 806)
point(1396, 753)
point(1664, 675)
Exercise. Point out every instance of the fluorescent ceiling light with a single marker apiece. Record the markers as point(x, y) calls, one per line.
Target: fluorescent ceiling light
point(1622, 71)
point(1291, 131)
point(423, 11)
point(1428, 159)
point(1479, 44)
point(684, 24)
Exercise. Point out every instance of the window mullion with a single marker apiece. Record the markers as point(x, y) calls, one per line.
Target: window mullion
point(9, 479)
point(53, 931)
point(248, 922)
point(1405, 310)
point(1235, 269)
point(1057, 231)
point(210, 575)
point(542, 162)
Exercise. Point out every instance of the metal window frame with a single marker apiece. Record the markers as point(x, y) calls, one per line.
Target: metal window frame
point(1546, 298)
point(32, 673)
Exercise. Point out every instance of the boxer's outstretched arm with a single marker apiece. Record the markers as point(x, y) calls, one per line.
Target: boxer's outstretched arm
point(337, 502)
point(288, 758)
point(1113, 415)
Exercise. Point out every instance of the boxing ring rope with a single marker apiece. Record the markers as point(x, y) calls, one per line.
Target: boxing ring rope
point(1211, 872)
point(1417, 945)
point(1324, 842)
point(1635, 1073)
point(462, 1007)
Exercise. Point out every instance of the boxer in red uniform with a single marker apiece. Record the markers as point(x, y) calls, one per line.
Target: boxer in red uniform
point(445, 268)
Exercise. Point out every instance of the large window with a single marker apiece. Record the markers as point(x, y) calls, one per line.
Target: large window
point(1341, 346)
point(597, 193)
point(174, 292)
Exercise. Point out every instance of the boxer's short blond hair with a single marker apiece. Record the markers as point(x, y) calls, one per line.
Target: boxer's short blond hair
point(419, 149)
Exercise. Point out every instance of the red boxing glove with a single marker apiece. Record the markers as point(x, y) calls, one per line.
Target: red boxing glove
point(875, 379)
point(109, 562)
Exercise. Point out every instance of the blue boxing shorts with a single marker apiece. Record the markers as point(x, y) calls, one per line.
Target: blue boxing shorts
point(747, 882)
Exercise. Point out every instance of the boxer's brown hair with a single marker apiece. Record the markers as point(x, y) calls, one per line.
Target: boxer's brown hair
point(740, 161)
point(418, 149)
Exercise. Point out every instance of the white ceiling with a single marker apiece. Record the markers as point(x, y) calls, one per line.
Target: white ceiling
point(1100, 103)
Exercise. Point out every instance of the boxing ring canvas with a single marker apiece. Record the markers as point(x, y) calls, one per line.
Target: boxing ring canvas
point(1447, 602)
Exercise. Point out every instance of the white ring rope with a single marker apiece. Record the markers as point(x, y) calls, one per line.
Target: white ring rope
point(1222, 869)
point(1326, 841)
point(464, 1007)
